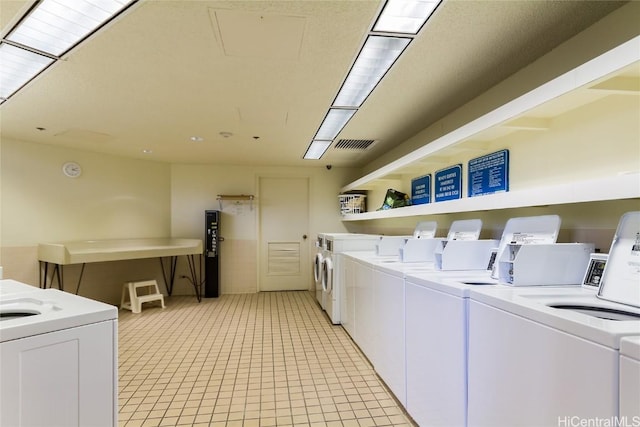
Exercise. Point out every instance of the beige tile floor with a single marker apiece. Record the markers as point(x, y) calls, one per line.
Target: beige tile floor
point(265, 359)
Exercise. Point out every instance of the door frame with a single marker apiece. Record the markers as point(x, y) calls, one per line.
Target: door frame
point(258, 207)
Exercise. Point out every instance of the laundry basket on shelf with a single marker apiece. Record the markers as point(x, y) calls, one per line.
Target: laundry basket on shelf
point(352, 203)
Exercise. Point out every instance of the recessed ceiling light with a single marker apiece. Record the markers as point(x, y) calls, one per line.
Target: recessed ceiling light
point(196, 139)
point(226, 134)
point(147, 151)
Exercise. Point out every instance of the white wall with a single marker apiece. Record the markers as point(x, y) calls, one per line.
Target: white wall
point(194, 189)
point(117, 197)
point(114, 198)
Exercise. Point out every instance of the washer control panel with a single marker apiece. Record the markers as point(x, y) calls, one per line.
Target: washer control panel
point(595, 269)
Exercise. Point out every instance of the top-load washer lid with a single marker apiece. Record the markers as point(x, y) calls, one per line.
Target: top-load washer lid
point(526, 231)
point(621, 277)
point(390, 245)
point(425, 230)
point(468, 229)
point(49, 310)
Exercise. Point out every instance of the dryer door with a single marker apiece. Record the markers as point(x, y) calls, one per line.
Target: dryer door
point(318, 266)
point(327, 276)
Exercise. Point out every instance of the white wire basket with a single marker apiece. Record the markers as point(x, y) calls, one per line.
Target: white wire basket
point(352, 203)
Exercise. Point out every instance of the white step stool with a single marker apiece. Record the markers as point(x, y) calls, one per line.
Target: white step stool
point(135, 301)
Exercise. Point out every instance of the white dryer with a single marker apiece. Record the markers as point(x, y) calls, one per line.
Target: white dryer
point(318, 266)
point(333, 275)
point(59, 359)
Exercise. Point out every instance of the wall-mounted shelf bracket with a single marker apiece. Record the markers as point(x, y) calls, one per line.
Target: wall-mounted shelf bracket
point(238, 198)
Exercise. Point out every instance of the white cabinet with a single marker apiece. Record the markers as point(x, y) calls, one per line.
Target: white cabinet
point(64, 378)
point(573, 139)
point(389, 345)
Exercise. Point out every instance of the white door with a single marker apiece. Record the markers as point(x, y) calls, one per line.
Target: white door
point(284, 221)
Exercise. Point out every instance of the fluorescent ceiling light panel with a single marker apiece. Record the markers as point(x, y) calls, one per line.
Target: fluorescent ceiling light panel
point(376, 57)
point(405, 16)
point(316, 150)
point(55, 26)
point(333, 123)
point(17, 67)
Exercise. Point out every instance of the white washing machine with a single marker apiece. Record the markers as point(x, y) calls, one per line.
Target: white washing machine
point(380, 331)
point(571, 336)
point(630, 379)
point(9, 287)
point(436, 331)
point(334, 272)
point(380, 297)
point(531, 364)
point(59, 359)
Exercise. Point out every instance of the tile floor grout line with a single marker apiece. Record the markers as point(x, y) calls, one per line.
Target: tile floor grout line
point(253, 360)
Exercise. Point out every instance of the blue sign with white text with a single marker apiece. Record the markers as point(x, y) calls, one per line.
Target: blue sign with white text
point(448, 183)
point(489, 174)
point(421, 190)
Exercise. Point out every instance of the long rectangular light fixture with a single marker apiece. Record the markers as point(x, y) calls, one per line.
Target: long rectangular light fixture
point(404, 16)
point(49, 30)
point(17, 67)
point(334, 121)
point(396, 25)
point(55, 26)
point(316, 149)
point(377, 56)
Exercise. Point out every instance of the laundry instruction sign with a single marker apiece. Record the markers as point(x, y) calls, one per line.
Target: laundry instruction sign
point(448, 183)
point(421, 190)
point(489, 174)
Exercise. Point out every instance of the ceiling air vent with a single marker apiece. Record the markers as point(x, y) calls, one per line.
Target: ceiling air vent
point(354, 144)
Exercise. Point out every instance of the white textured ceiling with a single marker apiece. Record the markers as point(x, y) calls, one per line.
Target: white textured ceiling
point(266, 72)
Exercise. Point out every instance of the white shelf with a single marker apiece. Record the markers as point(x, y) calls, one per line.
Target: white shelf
point(237, 198)
point(613, 73)
point(619, 187)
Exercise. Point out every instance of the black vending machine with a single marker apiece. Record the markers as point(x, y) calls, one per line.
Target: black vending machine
point(212, 254)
